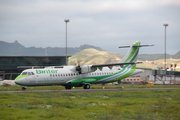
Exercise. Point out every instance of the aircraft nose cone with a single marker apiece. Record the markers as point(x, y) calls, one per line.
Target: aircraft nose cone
point(21, 79)
point(17, 81)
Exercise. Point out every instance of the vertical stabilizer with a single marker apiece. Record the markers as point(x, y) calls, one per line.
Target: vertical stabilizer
point(132, 54)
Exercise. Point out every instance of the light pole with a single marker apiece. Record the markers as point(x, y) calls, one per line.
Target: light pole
point(66, 20)
point(165, 49)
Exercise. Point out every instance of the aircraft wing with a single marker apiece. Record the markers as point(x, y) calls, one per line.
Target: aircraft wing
point(100, 66)
point(30, 67)
point(91, 68)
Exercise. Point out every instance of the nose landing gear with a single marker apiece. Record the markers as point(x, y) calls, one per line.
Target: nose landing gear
point(24, 88)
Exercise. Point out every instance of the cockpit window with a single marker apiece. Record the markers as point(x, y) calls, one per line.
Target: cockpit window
point(29, 73)
point(24, 73)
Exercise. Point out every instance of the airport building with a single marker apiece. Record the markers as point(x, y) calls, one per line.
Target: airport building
point(156, 76)
point(140, 78)
point(9, 64)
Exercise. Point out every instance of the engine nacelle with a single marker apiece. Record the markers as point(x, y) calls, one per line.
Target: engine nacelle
point(87, 69)
point(81, 69)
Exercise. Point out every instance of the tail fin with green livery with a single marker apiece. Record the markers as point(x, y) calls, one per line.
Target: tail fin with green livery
point(132, 54)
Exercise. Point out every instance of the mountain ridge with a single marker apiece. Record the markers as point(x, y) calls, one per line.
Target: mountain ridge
point(17, 49)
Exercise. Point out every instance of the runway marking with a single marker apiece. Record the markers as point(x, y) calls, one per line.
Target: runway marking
point(87, 90)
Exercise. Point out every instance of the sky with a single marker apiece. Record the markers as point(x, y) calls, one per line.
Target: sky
point(107, 24)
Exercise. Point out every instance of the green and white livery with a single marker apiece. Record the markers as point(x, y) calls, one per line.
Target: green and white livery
point(82, 75)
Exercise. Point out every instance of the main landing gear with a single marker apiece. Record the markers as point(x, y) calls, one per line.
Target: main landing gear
point(86, 86)
point(68, 87)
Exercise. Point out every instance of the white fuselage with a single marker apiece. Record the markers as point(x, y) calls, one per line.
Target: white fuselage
point(60, 76)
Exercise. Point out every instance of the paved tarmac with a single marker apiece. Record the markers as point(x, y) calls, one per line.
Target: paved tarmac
point(86, 90)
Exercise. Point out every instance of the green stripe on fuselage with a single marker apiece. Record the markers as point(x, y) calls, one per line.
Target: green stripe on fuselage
point(21, 76)
point(76, 82)
point(20, 84)
point(125, 75)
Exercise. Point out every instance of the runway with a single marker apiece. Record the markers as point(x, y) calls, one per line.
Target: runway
point(86, 90)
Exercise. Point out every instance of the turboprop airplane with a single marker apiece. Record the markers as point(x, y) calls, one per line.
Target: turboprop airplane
point(81, 75)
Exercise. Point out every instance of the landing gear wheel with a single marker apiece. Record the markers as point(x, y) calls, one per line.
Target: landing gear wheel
point(23, 88)
point(86, 86)
point(68, 87)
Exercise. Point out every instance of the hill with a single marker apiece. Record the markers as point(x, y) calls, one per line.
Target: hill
point(159, 63)
point(92, 56)
point(152, 57)
point(176, 56)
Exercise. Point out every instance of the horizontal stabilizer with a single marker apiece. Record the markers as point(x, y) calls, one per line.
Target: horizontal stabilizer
point(136, 46)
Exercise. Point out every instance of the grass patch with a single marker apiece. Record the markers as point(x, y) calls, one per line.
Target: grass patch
point(150, 105)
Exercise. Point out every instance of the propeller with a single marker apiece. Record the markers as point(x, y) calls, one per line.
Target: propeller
point(78, 67)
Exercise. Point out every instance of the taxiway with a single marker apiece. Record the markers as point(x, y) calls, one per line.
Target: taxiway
point(86, 90)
